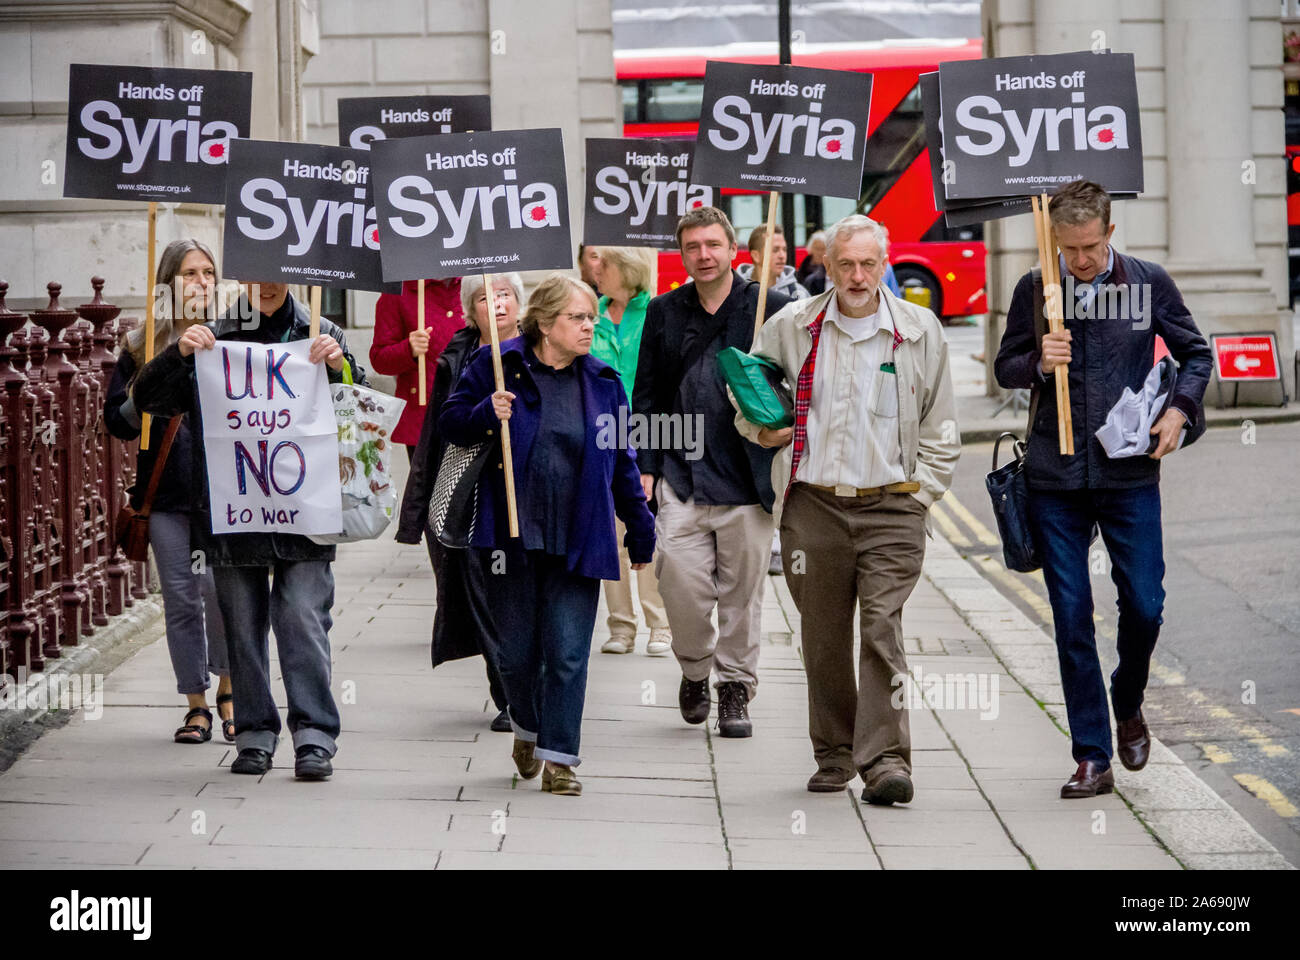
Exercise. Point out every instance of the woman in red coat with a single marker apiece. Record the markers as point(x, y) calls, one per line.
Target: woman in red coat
point(398, 343)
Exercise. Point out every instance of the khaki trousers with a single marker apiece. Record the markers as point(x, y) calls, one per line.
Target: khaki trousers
point(618, 594)
point(713, 556)
point(842, 553)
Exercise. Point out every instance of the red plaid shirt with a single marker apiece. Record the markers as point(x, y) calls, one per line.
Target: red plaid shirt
point(803, 394)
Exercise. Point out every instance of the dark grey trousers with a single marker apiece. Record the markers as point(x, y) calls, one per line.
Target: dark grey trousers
point(196, 638)
point(293, 598)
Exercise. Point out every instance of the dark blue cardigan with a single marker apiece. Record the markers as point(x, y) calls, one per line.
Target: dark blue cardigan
point(608, 480)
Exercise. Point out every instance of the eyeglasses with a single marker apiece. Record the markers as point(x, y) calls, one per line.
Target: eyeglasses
point(581, 317)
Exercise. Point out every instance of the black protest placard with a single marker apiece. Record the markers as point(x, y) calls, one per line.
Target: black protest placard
point(770, 127)
point(637, 190)
point(459, 203)
point(301, 213)
point(1015, 126)
point(957, 213)
point(153, 133)
point(362, 120)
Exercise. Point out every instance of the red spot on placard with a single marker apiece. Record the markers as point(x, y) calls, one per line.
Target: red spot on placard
point(698, 203)
point(217, 150)
point(374, 234)
point(832, 146)
point(538, 213)
point(1105, 135)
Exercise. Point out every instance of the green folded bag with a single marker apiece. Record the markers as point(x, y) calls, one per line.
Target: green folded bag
point(757, 385)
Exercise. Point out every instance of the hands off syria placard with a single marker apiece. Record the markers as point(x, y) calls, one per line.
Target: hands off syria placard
point(459, 203)
point(1015, 126)
point(797, 129)
point(301, 213)
point(637, 191)
point(153, 133)
point(363, 120)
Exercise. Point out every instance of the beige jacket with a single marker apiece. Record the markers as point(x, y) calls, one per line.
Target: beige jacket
point(927, 414)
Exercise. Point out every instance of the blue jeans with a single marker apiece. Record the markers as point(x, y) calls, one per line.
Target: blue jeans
point(545, 617)
point(293, 598)
point(1129, 520)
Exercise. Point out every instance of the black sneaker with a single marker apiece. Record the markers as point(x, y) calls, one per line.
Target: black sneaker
point(251, 760)
point(693, 699)
point(733, 715)
point(501, 723)
point(312, 763)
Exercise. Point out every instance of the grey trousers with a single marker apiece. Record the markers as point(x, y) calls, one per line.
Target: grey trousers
point(845, 556)
point(196, 637)
point(296, 603)
point(711, 556)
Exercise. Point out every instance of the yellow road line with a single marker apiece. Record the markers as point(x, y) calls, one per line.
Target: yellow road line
point(1265, 744)
point(994, 568)
point(982, 533)
point(1215, 754)
point(949, 529)
point(1268, 793)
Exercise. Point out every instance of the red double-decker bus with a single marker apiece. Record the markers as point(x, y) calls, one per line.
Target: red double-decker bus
point(662, 92)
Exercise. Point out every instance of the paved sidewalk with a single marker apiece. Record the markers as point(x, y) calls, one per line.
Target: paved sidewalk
point(421, 782)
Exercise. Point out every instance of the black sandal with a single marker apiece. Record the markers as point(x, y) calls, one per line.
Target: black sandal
point(227, 726)
point(184, 734)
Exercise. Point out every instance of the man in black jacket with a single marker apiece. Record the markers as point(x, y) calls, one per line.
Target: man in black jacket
point(1114, 307)
point(714, 523)
point(298, 600)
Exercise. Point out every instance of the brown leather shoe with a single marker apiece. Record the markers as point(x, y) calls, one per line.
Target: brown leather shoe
point(895, 787)
point(1088, 781)
point(525, 761)
point(829, 780)
point(1133, 742)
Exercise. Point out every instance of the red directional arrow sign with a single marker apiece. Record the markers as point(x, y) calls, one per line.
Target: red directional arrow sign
point(1245, 356)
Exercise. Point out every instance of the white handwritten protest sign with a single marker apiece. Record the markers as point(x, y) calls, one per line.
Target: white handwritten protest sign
point(270, 438)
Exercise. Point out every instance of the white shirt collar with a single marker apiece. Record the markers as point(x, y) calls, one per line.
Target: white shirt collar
point(859, 328)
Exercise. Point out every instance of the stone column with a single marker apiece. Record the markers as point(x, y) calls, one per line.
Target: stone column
point(1208, 126)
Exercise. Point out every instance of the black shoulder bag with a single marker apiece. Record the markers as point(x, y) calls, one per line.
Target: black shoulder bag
point(1007, 485)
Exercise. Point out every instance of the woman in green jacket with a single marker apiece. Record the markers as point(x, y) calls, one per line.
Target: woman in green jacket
point(623, 276)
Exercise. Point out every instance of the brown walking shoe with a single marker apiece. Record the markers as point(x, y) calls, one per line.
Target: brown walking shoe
point(559, 780)
point(1133, 742)
point(1088, 781)
point(829, 780)
point(525, 761)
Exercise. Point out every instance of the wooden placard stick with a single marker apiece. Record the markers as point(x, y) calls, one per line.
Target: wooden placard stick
point(512, 512)
point(313, 297)
point(419, 323)
point(1051, 271)
point(772, 199)
point(150, 304)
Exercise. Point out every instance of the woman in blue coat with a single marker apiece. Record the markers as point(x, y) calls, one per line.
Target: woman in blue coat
point(573, 473)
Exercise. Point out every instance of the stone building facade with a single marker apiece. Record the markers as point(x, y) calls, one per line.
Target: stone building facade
point(1210, 85)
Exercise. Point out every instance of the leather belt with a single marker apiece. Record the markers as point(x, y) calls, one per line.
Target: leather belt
point(909, 486)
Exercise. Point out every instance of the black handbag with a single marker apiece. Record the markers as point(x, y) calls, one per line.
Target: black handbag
point(1007, 485)
point(453, 505)
point(1010, 495)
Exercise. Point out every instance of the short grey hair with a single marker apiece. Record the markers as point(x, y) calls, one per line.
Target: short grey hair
point(472, 285)
point(856, 223)
point(818, 235)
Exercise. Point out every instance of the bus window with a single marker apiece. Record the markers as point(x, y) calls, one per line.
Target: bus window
point(631, 91)
point(674, 101)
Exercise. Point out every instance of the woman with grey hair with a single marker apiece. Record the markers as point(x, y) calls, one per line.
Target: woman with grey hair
point(462, 624)
point(196, 639)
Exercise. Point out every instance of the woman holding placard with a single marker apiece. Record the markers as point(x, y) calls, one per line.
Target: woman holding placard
point(624, 274)
point(400, 341)
point(196, 639)
point(266, 579)
point(575, 473)
point(462, 623)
